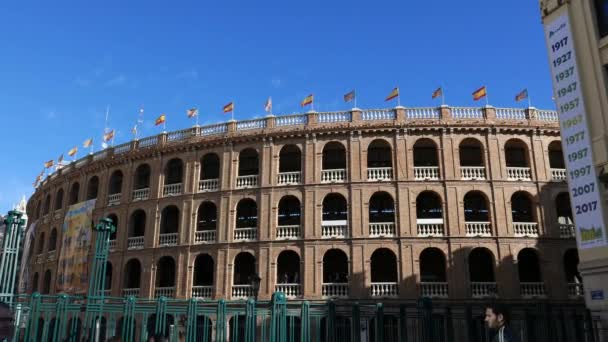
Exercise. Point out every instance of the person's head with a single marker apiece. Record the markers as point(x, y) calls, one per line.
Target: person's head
point(497, 315)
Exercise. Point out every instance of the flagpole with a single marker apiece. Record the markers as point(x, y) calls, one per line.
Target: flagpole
point(529, 101)
point(442, 95)
point(197, 116)
point(487, 98)
point(232, 111)
point(356, 98)
point(398, 99)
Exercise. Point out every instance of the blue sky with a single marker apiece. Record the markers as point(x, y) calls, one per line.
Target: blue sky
point(61, 64)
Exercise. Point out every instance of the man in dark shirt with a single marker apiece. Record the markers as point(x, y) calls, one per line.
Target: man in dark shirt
point(497, 318)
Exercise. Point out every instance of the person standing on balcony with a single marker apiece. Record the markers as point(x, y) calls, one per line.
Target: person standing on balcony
point(497, 318)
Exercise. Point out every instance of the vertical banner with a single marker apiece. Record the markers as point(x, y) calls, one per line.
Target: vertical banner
point(76, 234)
point(24, 274)
point(582, 179)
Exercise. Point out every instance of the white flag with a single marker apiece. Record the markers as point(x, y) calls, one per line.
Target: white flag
point(268, 105)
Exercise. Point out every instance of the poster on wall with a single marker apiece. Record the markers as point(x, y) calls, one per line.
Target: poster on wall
point(76, 234)
point(24, 274)
point(582, 179)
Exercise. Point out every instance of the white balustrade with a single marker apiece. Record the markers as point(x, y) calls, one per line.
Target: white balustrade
point(430, 229)
point(214, 129)
point(39, 258)
point(333, 230)
point(204, 236)
point(288, 232)
point(164, 291)
point(378, 114)
point(81, 162)
point(566, 230)
point(205, 185)
point(473, 172)
point(575, 290)
point(202, 291)
point(114, 199)
point(483, 289)
point(100, 155)
point(434, 289)
point(426, 172)
point(122, 148)
point(242, 291)
point(384, 289)
point(290, 120)
point(522, 229)
point(466, 113)
point(57, 214)
point(246, 181)
point(558, 174)
point(250, 124)
point(172, 189)
point(518, 173)
point(530, 290)
point(333, 176)
point(51, 255)
point(245, 234)
point(180, 135)
point(546, 115)
point(291, 291)
point(141, 194)
point(423, 113)
point(287, 178)
point(169, 239)
point(147, 142)
point(112, 245)
point(510, 113)
point(334, 290)
point(333, 117)
point(377, 229)
point(379, 173)
point(130, 292)
point(135, 242)
point(478, 228)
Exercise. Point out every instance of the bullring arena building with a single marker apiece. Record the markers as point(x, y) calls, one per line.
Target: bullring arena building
point(450, 203)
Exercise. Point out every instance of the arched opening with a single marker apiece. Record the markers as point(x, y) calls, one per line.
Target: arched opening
point(290, 159)
point(573, 276)
point(114, 220)
point(137, 223)
point(41, 243)
point(244, 269)
point(563, 211)
point(132, 277)
point(530, 278)
point(289, 211)
point(556, 155)
point(334, 156)
point(204, 328)
point(335, 267)
point(47, 204)
point(470, 152)
point(381, 208)
point(288, 271)
point(53, 240)
point(383, 267)
point(210, 166)
point(141, 179)
point(481, 273)
point(92, 188)
point(237, 324)
point(35, 281)
point(174, 171)
point(335, 216)
point(476, 207)
point(115, 186)
point(108, 280)
point(59, 199)
point(246, 220)
point(203, 273)
point(379, 160)
point(152, 329)
point(165, 276)
point(432, 266)
point(516, 153)
point(46, 284)
point(425, 153)
point(429, 214)
point(521, 207)
point(74, 190)
point(248, 162)
point(169, 220)
point(206, 216)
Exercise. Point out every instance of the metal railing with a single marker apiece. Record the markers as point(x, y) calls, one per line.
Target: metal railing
point(172, 189)
point(379, 173)
point(378, 229)
point(287, 178)
point(478, 228)
point(333, 176)
point(208, 185)
point(518, 173)
point(243, 182)
point(473, 172)
point(426, 172)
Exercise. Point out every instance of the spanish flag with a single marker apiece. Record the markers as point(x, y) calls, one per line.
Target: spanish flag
point(307, 100)
point(479, 93)
point(108, 136)
point(161, 119)
point(349, 96)
point(393, 94)
point(49, 163)
point(229, 107)
point(192, 112)
point(437, 93)
point(522, 95)
point(73, 151)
